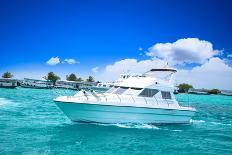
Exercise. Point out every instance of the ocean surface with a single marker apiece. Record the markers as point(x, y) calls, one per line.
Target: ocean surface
point(31, 123)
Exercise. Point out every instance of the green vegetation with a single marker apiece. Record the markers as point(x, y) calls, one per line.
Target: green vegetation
point(52, 77)
point(184, 87)
point(71, 77)
point(7, 75)
point(90, 79)
point(80, 79)
point(214, 91)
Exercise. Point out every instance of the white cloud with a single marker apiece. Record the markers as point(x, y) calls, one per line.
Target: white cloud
point(214, 73)
point(70, 61)
point(56, 60)
point(229, 55)
point(189, 50)
point(140, 48)
point(95, 69)
point(53, 61)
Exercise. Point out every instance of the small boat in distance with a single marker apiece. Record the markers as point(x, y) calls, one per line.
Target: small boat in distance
point(147, 98)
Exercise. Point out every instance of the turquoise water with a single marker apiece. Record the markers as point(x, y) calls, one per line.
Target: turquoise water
point(30, 123)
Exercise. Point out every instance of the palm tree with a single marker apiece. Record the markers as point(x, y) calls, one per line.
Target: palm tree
point(184, 87)
point(71, 77)
point(90, 79)
point(52, 77)
point(80, 79)
point(7, 75)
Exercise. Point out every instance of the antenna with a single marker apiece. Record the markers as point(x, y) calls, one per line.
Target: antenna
point(166, 66)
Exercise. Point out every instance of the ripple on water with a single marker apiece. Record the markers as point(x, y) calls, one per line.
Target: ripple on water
point(219, 123)
point(31, 123)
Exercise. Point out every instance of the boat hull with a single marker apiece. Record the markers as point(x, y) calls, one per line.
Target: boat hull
point(84, 112)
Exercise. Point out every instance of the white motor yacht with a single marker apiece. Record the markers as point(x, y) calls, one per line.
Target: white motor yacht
point(147, 98)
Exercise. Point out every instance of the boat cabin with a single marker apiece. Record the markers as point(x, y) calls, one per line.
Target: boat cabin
point(140, 92)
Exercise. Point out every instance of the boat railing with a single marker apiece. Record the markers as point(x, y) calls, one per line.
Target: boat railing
point(156, 100)
point(167, 102)
point(132, 98)
point(103, 94)
point(145, 99)
point(86, 95)
point(123, 98)
point(95, 95)
point(119, 98)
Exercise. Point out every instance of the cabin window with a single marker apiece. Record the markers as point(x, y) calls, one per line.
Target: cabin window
point(148, 92)
point(120, 90)
point(166, 95)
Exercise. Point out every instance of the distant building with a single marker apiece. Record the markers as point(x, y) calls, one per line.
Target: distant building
point(68, 84)
point(74, 84)
point(226, 92)
point(34, 83)
point(8, 83)
point(198, 91)
point(88, 85)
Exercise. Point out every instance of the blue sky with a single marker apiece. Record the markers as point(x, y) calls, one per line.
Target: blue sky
point(98, 33)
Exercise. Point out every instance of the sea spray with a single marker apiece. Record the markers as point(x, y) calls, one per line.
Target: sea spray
point(4, 101)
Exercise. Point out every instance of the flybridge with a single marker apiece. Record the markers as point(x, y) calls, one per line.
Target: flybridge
point(166, 74)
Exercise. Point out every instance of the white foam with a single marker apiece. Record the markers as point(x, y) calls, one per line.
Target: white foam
point(177, 130)
point(218, 123)
point(4, 101)
point(130, 125)
point(122, 125)
point(196, 121)
point(137, 126)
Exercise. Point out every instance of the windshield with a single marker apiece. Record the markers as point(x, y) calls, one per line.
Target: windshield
point(120, 90)
point(148, 92)
point(111, 90)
